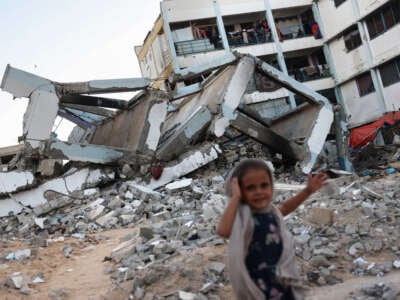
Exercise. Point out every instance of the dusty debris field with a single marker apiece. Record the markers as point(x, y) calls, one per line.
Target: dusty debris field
point(170, 250)
point(84, 274)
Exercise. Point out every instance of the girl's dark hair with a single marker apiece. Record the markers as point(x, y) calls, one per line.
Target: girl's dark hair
point(243, 167)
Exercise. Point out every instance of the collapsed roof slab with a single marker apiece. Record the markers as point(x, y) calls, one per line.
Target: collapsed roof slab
point(267, 136)
point(103, 86)
point(47, 99)
point(187, 124)
point(316, 120)
point(137, 129)
point(85, 153)
point(66, 184)
point(13, 181)
point(187, 163)
point(300, 133)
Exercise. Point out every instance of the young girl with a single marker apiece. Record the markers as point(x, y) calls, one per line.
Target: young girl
point(261, 252)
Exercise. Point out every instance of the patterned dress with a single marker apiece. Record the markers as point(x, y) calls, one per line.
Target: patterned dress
point(264, 252)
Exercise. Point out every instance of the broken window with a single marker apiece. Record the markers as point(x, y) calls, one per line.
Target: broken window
point(390, 72)
point(365, 84)
point(384, 19)
point(352, 38)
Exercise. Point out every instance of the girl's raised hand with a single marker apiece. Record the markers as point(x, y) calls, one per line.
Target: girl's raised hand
point(235, 190)
point(316, 182)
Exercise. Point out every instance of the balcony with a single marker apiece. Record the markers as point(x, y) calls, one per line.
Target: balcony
point(310, 73)
point(196, 46)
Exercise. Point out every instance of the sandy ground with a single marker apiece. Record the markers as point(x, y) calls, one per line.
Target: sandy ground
point(83, 275)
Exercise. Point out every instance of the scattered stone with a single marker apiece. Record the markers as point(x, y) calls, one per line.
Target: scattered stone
point(322, 216)
point(216, 267)
point(22, 254)
point(59, 294)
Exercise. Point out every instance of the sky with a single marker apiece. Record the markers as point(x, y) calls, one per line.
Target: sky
point(68, 41)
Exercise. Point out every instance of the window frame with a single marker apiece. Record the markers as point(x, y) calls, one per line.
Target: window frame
point(349, 42)
point(396, 63)
point(377, 19)
point(361, 91)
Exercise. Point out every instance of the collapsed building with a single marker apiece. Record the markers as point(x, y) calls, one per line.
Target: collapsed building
point(165, 134)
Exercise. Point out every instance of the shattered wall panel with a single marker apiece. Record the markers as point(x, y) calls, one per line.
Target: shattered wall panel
point(298, 124)
point(14, 180)
point(137, 129)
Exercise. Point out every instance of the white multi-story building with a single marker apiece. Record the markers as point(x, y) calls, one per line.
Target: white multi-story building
point(348, 50)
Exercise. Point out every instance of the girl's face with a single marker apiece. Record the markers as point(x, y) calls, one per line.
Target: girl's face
point(256, 188)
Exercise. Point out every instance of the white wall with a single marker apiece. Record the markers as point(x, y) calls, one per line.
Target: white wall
point(184, 10)
point(336, 19)
point(301, 43)
point(258, 50)
point(391, 94)
point(320, 84)
point(368, 6)
point(199, 58)
point(278, 4)
point(386, 46)
point(348, 63)
point(235, 7)
point(362, 110)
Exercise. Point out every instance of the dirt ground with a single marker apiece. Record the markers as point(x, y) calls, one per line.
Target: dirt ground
point(83, 275)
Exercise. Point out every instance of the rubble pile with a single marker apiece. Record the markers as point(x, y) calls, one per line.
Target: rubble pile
point(349, 227)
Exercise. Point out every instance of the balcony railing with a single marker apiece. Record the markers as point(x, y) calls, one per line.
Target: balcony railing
point(196, 46)
point(294, 31)
point(310, 73)
point(248, 37)
point(245, 37)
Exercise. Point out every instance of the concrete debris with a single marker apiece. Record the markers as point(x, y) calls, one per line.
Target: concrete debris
point(163, 176)
point(15, 180)
point(207, 110)
point(334, 232)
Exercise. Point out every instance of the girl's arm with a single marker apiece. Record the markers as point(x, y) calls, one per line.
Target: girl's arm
point(314, 183)
point(225, 224)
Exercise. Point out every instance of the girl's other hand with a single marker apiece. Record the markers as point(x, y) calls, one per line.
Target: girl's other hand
point(316, 182)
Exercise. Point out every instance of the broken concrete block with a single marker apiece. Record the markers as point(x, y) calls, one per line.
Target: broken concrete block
point(115, 203)
point(186, 296)
point(22, 254)
point(73, 181)
point(216, 267)
point(89, 192)
point(322, 216)
point(126, 219)
point(189, 162)
point(128, 195)
point(17, 280)
point(15, 180)
point(107, 220)
point(122, 249)
point(179, 185)
point(161, 216)
point(143, 193)
point(40, 222)
point(96, 211)
point(49, 167)
point(146, 232)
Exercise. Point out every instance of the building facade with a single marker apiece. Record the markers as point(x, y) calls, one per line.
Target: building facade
point(347, 50)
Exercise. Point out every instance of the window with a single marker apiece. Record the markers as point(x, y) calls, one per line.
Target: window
point(338, 2)
point(383, 19)
point(364, 84)
point(352, 38)
point(390, 72)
